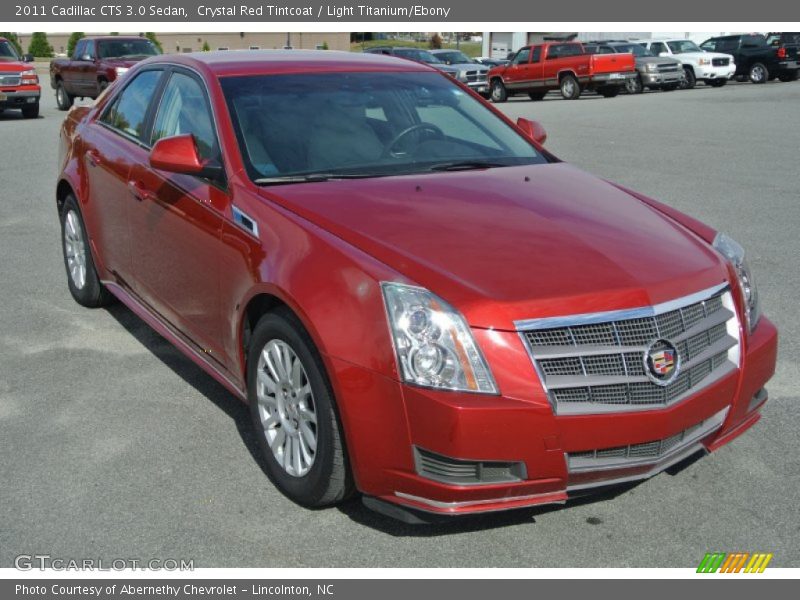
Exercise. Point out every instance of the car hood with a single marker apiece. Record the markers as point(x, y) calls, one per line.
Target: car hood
point(15, 66)
point(469, 66)
point(696, 55)
point(121, 62)
point(657, 60)
point(513, 243)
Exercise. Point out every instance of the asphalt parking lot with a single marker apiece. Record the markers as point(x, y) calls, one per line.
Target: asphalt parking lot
point(115, 446)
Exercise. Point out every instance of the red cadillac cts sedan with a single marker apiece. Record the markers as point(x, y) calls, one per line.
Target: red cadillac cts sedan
point(416, 299)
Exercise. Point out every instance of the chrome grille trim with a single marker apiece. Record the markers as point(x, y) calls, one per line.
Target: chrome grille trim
point(644, 453)
point(10, 79)
point(595, 363)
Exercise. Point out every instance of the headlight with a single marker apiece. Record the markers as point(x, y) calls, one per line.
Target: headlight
point(734, 252)
point(652, 67)
point(703, 61)
point(433, 343)
point(120, 70)
point(29, 77)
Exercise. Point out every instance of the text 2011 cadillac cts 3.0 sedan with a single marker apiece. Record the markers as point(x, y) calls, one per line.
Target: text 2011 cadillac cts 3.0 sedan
point(416, 299)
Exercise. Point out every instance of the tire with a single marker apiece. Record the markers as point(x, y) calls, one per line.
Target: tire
point(608, 92)
point(30, 111)
point(670, 87)
point(82, 279)
point(498, 92)
point(318, 476)
point(789, 76)
point(570, 88)
point(758, 73)
point(537, 95)
point(634, 85)
point(689, 80)
point(717, 83)
point(102, 84)
point(63, 99)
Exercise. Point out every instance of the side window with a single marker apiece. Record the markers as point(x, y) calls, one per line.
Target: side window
point(128, 112)
point(522, 56)
point(554, 52)
point(184, 109)
point(657, 48)
point(537, 54)
point(709, 46)
point(606, 50)
point(80, 49)
point(89, 50)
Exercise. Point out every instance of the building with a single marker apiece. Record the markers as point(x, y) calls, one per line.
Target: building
point(499, 44)
point(193, 42)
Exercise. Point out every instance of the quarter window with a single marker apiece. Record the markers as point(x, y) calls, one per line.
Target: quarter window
point(129, 110)
point(184, 110)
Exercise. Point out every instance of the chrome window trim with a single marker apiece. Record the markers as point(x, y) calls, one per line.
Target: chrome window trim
point(618, 315)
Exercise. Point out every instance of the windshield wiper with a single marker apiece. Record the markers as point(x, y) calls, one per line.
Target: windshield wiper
point(312, 177)
point(465, 165)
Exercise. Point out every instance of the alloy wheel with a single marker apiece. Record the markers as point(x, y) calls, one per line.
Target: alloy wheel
point(75, 249)
point(286, 408)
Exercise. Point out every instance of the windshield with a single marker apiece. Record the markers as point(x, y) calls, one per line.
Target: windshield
point(683, 46)
point(635, 49)
point(453, 57)
point(365, 125)
point(127, 49)
point(7, 52)
point(418, 55)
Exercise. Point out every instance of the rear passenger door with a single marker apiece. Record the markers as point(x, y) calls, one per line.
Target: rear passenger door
point(176, 220)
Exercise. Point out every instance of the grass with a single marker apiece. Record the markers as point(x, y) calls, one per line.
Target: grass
point(468, 48)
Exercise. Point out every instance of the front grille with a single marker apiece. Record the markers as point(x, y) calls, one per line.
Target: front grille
point(646, 452)
point(9, 79)
point(473, 76)
point(668, 68)
point(598, 363)
point(720, 62)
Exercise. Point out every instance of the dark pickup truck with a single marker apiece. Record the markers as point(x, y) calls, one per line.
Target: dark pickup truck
point(758, 58)
point(96, 62)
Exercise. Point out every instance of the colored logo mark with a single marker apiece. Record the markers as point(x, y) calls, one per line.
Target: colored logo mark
point(737, 562)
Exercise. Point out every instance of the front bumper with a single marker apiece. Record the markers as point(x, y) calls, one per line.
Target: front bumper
point(17, 98)
point(606, 79)
point(706, 72)
point(655, 78)
point(386, 421)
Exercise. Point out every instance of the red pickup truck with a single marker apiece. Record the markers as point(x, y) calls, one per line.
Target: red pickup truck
point(19, 84)
point(537, 69)
point(94, 64)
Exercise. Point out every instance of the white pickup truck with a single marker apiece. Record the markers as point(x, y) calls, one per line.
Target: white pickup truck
point(712, 68)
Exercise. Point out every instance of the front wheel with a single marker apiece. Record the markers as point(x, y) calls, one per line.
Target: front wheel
point(82, 279)
point(717, 82)
point(689, 80)
point(634, 85)
point(63, 99)
point(758, 73)
point(499, 92)
point(293, 413)
point(30, 111)
point(570, 89)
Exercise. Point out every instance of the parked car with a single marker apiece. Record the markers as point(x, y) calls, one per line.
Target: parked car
point(564, 66)
point(94, 65)
point(712, 68)
point(19, 83)
point(652, 72)
point(756, 59)
point(470, 72)
point(416, 299)
point(417, 55)
point(491, 62)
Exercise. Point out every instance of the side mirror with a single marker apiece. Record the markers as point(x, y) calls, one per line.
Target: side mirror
point(86, 58)
point(662, 54)
point(27, 58)
point(178, 154)
point(532, 129)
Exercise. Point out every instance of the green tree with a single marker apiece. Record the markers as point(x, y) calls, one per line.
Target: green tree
point(12, 37)
point(206, 47)
point(436, 41)
point(39, 45)
point(73, 41)
point(324, 46)
point(152, 37)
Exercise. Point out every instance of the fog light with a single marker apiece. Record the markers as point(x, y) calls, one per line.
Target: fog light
point(466, 472)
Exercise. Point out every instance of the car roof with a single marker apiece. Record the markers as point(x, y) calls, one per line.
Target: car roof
point(105, 38)
point(264, 62)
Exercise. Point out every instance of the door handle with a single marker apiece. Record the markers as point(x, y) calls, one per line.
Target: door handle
point(139, 192)
point(93, 156)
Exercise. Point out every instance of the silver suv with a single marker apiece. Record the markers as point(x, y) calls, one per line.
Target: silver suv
point(654, 72)
point(470, 71)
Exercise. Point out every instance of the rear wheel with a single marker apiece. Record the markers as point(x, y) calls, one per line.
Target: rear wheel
point(789, 76)
point(63, 99)
point(689, 80)
point(102, 84)
point(570, 89)
point(499, 92)
point(30, 111)
point(293, 412)
point(717, 82)
point(758, 73)
point(537, 95)
point(82, 279)
point(669, 88)
point(634, 85)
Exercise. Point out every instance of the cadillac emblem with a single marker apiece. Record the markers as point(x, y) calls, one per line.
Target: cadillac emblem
point(661, 362)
